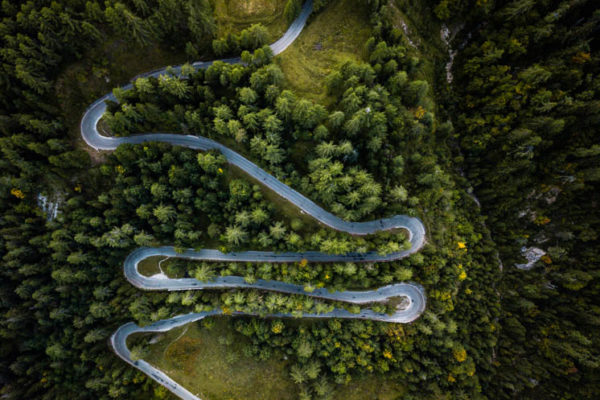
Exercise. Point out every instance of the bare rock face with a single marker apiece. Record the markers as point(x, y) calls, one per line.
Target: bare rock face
point(49, 207)
point(446, 36)
point(532, 254)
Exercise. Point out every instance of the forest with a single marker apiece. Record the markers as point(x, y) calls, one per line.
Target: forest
point(489, 137)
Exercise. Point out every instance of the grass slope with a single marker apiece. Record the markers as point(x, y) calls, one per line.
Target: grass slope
point(149, 266)
point(336, 35)
point(232, 16)
point(211, 364)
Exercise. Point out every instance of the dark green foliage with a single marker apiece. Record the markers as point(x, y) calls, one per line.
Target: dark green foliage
point(528, 86)
point(176, 22)
point(250, 38)
point(292, 9)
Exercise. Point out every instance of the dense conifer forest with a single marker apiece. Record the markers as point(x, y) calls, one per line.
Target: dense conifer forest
point(491, 138)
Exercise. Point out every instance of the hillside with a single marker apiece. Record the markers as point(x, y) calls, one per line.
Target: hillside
point(278, 199)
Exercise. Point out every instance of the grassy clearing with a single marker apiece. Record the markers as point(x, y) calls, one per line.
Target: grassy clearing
point(211, 364)
point(232, 16)
point(149, 266)
point(370, 387)
point(336, 35)
point(171, 267)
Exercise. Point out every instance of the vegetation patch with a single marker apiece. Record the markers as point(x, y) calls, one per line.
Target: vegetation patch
point(421, 35)
point(284, 208)
point(370, 387)
point(336, 35)
point(150, 266)
point(233, 16)
point(525, 102)
point(211, 364)
point(110, 64)
point(209, 359)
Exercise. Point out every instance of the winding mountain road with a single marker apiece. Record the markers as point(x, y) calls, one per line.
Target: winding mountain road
point(413, 292)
